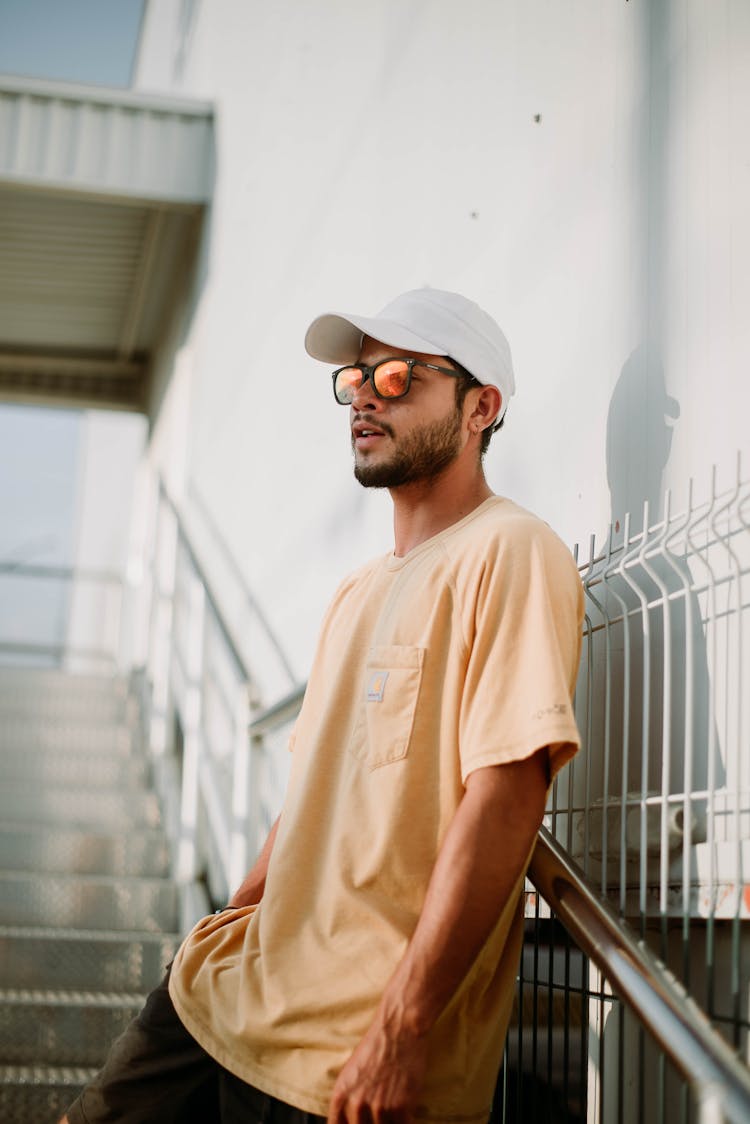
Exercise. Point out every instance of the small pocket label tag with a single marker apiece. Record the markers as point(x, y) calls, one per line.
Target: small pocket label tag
point(376, 686)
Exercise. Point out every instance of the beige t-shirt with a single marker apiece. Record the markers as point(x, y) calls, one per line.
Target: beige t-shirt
point(461, 654)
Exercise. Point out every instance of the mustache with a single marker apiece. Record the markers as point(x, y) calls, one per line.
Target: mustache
point(382, 426)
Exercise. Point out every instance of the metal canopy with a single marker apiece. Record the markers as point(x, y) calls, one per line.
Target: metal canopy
point(102, 193)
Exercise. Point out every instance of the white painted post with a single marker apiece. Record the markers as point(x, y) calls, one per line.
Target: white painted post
point(160, 638)
point(242, 795)
point(191, 713)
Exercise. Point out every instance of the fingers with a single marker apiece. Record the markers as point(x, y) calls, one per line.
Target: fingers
point(356, 1108)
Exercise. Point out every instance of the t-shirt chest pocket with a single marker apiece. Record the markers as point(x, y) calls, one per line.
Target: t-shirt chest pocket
point(385, 719)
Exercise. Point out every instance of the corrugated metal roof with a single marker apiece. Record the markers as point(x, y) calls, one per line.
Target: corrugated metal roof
point(101, 194)
point(108, 142)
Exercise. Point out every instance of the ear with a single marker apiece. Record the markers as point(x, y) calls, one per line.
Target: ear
point(485, 408)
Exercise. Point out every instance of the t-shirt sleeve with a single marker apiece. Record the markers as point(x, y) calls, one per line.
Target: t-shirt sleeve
point(524, 615)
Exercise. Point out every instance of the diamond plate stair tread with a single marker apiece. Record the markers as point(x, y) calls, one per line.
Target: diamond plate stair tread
point(46, 1074)
point(87, 901)
point(48, 848)
point(125, 962)
point(62, 1027)
point(87, 914)
point(75, 805)
point(92, 770)
point(33, 706)
point(54, 687)
point(36, 1094)
point(54, 682)
point(56, 736)
point(55, 997)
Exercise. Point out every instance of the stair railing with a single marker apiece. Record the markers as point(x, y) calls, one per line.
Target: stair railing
point(83, 624)
point(719, 1081)
point(200, 698)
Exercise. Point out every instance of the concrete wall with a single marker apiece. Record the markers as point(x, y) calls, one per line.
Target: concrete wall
point(580, 169)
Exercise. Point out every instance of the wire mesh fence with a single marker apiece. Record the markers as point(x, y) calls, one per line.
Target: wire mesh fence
point(656, 810)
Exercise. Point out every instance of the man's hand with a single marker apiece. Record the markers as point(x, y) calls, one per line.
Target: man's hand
point(382, 1081)
point(480, 861)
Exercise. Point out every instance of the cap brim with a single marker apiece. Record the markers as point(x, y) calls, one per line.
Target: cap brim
point(336, 337)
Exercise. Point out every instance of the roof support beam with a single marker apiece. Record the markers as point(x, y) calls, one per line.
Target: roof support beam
point(132, 318)
point(93, 381)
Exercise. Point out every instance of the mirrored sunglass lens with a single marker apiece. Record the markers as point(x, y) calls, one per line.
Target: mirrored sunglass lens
point(348, 381)
point(391, 378)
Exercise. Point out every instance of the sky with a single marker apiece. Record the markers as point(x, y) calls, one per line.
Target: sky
point(88, 41)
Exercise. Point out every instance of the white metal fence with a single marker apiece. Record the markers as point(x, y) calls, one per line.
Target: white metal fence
point(656, 808)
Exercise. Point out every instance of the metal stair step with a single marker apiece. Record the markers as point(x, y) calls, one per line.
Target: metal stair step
point(72, 705)
point(63, 736)
point(84, 959)
point(74, 805)
point(36, 1094)
point(87, 902)
point(68, 850)
point(37, 685)
point(88, 916)
point(69, 1028)
point(90, 769)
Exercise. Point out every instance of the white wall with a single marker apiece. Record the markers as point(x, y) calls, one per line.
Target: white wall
point(364, 149)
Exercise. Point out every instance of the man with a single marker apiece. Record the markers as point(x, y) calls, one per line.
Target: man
point(365, 968)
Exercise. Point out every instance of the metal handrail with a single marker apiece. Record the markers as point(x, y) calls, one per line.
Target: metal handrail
point(213, 599)
point(238, 576)
point(278, 713)
point(191, 647)
point(720, 1082)
point(210, 595)
point(59, 572)
point(718, 1079)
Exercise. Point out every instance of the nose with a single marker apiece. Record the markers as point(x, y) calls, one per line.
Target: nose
point(364, 396)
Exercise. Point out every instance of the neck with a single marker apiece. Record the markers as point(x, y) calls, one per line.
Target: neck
point(425, 508)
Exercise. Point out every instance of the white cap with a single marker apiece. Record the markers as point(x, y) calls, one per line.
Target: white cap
point(424, 320)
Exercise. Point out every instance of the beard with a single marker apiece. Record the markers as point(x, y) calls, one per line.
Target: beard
point(421, 455)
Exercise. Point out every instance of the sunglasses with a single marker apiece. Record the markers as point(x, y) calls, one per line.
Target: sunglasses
point(390, 378)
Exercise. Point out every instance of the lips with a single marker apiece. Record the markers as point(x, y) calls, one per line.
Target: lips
point(365, 434)
point(367, 429)
point(360, 430)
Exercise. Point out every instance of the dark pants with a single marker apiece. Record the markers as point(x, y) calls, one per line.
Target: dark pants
point(156, 1073)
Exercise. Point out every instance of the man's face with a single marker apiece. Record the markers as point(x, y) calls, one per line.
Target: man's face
point(409, 439)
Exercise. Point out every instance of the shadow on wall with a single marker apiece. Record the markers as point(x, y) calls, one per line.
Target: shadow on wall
point(639, 439)
point(645, 691)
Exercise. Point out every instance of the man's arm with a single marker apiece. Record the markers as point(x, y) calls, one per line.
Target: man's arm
point(251, 890)
point(484, 850)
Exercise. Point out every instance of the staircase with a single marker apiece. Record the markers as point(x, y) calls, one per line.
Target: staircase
point(87, 911)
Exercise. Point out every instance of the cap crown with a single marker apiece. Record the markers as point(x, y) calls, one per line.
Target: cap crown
point(458, 327)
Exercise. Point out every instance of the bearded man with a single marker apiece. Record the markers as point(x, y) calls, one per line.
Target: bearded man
point(364, 970)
